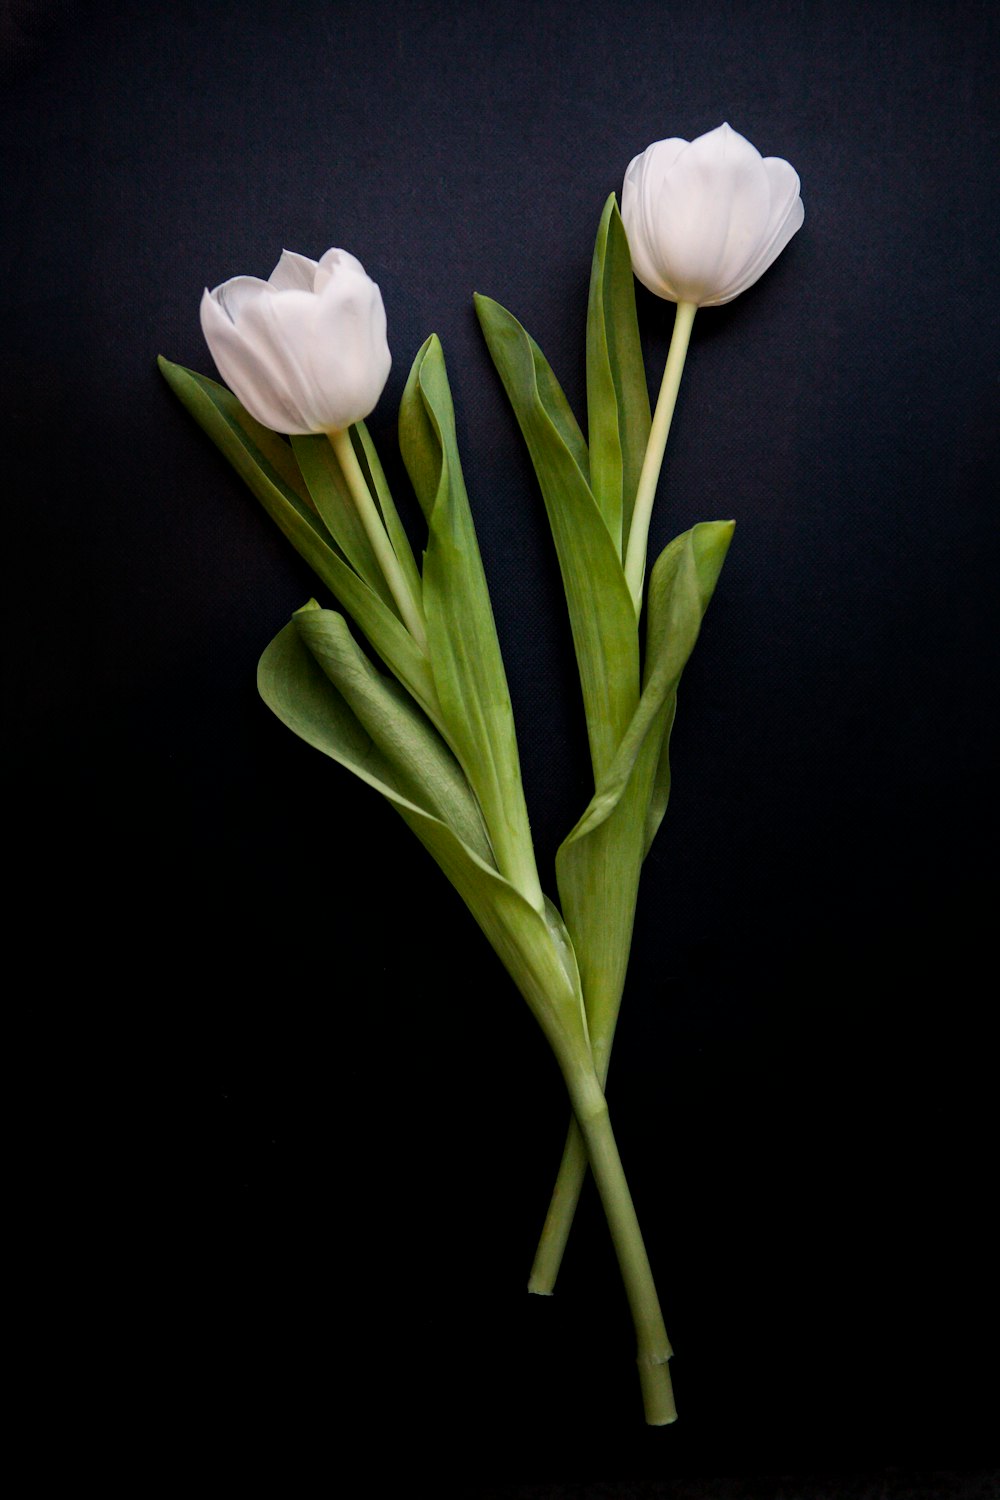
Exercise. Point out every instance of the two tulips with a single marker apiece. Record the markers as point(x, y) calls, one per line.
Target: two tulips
point(305, 353)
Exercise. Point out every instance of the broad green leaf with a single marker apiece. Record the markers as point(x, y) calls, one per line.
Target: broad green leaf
point(425, 769)
point(533, 946)
point(465, 654)
point(659, 794)
point(599, 863)
point(709, 544)
point(235, 434)
point(618, 418)
point(598, 878)
point(602, 616)
point(680, 588)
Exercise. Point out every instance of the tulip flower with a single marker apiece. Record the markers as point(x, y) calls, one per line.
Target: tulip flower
point(306, 352)
point(704, 220)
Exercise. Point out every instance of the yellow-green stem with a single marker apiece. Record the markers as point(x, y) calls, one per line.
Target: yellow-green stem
point(409, 609)
point(635, 556)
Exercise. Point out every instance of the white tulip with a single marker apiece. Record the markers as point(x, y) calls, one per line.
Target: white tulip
point(304, 351)
point(705, 219)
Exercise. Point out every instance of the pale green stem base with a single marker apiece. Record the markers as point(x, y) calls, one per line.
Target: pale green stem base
point(409, 609)
point(561, 1213)
point(653, 1347)
point(635, 556)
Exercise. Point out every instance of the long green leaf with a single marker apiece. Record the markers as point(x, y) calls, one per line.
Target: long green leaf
point(464, 650)
point(598, 865)
point(533, 946)
point(332, 498)
point(602, 616)
point(425, 769)
point(618, 418)
point(665, 636)
point(236, 435)
point(680, 588)
point(371, 467)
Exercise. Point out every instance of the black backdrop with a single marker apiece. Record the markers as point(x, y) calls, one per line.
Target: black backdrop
point(288, 1132)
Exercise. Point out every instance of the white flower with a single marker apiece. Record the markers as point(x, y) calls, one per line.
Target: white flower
point(304, 351)
point(705, 219)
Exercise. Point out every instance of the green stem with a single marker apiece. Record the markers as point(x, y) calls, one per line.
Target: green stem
point(409, 609)
point(569, 1180)
point(599, 911)
point(561, 1212)
point(653, 1347)
point(635, 557)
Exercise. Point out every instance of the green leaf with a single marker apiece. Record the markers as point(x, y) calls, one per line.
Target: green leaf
point(598, 872)
point(253, 452)
point(424, 768)
point(371, 467)
point(659, 792)
point(464, 650)
point(680, 589)
point(598, 865)
point(709, 545)
point(243, 441)
point(618, 417)
point(333, 500)
point(533, 946)
point(602, 616)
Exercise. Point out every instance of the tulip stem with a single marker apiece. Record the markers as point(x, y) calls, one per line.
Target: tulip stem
point(635, 557)
point(409, 609)
point(653, 1347)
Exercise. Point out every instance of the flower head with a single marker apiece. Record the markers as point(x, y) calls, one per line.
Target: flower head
point(706, 218)
point(304, 351)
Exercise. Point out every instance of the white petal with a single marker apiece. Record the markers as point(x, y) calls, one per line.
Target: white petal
point(784, 219)
point(642, 178)
point(710, 213)
point(331, 262)
point(239, 292)
point(247, 363)
point(327, 351)
point(293, 273)
point(340, 343)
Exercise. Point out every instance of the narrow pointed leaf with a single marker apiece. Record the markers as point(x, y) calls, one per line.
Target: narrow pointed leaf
point(232, 431)
point(618, 417)
point(602, 616)
point(242, 439)
point(464, 650)
point(532, 946)
point(371, 467)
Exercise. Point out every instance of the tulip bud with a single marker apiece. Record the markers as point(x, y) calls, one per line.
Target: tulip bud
point(705, 219)
point(304, 351)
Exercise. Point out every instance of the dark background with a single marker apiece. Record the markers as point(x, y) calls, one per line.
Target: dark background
point(286, 1130)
